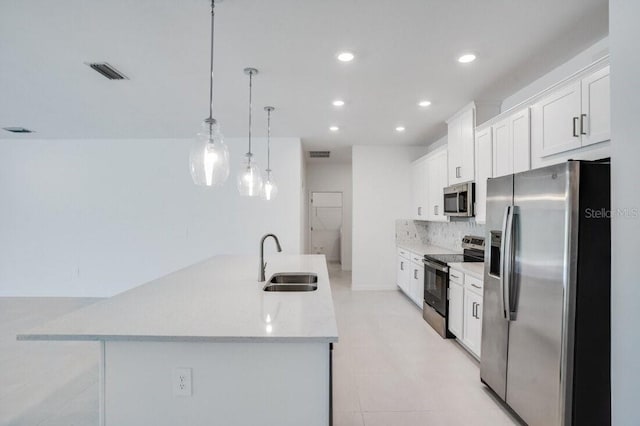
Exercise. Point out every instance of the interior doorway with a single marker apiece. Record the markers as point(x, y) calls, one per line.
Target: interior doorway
point(325, 223)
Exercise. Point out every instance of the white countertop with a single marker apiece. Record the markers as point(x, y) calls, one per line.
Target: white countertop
point(475, 269)
point(218, 299)
point(422, 249)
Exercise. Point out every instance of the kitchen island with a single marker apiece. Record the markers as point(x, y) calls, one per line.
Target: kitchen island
point(206, 345)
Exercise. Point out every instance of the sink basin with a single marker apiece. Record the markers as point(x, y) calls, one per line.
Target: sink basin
point(292, 281)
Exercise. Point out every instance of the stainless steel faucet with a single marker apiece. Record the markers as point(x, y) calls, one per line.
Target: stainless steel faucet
point(263, 265)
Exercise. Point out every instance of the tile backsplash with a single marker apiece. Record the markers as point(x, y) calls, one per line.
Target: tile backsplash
point(444, 234)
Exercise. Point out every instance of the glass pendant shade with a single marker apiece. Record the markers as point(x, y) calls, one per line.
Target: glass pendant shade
point(209, 157)
point(249, 178)
point(269, 189)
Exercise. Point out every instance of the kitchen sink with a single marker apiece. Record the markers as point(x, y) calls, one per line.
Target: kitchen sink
point(292, 281)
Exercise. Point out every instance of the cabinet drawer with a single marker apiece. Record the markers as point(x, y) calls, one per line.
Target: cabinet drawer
point(473, 284)
point(404, 253)
point(456, 276)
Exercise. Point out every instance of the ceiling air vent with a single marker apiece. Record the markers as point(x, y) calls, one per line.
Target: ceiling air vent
point(17, 130)
point(107, 70)
point(319, 154)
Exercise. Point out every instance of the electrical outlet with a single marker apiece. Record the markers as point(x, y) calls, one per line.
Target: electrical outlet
point(182, 381)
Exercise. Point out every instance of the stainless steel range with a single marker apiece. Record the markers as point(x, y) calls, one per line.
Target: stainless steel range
point(436, 281)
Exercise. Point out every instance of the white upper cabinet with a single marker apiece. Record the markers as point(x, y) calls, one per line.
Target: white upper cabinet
point(461, 146)
point(484, 170)
point(419, 189)
point(520, 129)
point(436, 181)
point(502, 149)
point(575, 116)
point(511, 144)
point(558, 119)
point(596, 108)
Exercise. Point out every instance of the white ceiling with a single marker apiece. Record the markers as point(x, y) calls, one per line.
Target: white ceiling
point(405, 51)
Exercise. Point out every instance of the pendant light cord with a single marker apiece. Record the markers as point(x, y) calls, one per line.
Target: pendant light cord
point(250, 107)
point(213, 14)
point(269, 142)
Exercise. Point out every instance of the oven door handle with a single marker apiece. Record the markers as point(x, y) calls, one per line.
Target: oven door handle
point(433, 265)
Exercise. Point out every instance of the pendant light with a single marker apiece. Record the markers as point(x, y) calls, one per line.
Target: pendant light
point(209, 156)
point(269, 189)
point(249, 178)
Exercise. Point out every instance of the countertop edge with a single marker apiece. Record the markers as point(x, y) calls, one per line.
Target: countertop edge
point(184, 339)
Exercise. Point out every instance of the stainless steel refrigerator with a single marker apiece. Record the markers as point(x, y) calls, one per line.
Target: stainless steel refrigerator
point(546, 314)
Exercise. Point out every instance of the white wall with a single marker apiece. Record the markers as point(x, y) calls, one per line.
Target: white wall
point(96, 217)
point(575, 64)
point(381, 194)
point(625, 232)
point(329, 177)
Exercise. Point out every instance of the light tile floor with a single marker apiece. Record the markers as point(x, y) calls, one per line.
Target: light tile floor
point(390, 367)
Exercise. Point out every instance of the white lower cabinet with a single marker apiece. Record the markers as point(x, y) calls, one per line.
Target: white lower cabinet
point(403, 273)
point(410, 275)
point(456, 308)
point(465, 310)
point(472, 321)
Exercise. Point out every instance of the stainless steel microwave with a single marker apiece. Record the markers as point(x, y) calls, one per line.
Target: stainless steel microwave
point(459, 200)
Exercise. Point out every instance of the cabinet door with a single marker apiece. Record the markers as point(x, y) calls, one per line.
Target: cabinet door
point(502, 149)
point(437, 179)
point(416, 292)
point(419, 189)
point(484, 170)
point(456, 304)
point(558, 120)
point(402, 266)
point(453, 151)
point(467, 145)
point(519, 125)
point(472, 321)
point(595, 121)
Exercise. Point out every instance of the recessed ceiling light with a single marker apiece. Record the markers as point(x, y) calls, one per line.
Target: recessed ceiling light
point(400, 129)
point(334, 128)
point(345, 56)
point(424, 103)
point(338, 103)
point(465, 59)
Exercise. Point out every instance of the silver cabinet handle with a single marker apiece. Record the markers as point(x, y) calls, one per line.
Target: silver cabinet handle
point(401, 265)
point(419, 211)
point(454, 276)
point(415, 274)
point(575, 131)
point(458, 171)
point(478, 287)
point(473, 309)
point(582, 117)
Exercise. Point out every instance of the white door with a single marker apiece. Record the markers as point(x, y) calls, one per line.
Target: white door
point(502, 149)
point(419, 189)
point(467, 142)
point(456, 303)
point(519, 124)
point(484, 166)
point(454, 151)
point(437, 181)
point(596, 108)
point(558, 119)
point(402, 264)
point(326, 224)
point(472, 321)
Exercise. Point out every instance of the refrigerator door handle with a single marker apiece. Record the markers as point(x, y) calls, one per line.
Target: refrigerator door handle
point(505, 266)
point(509, 264)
